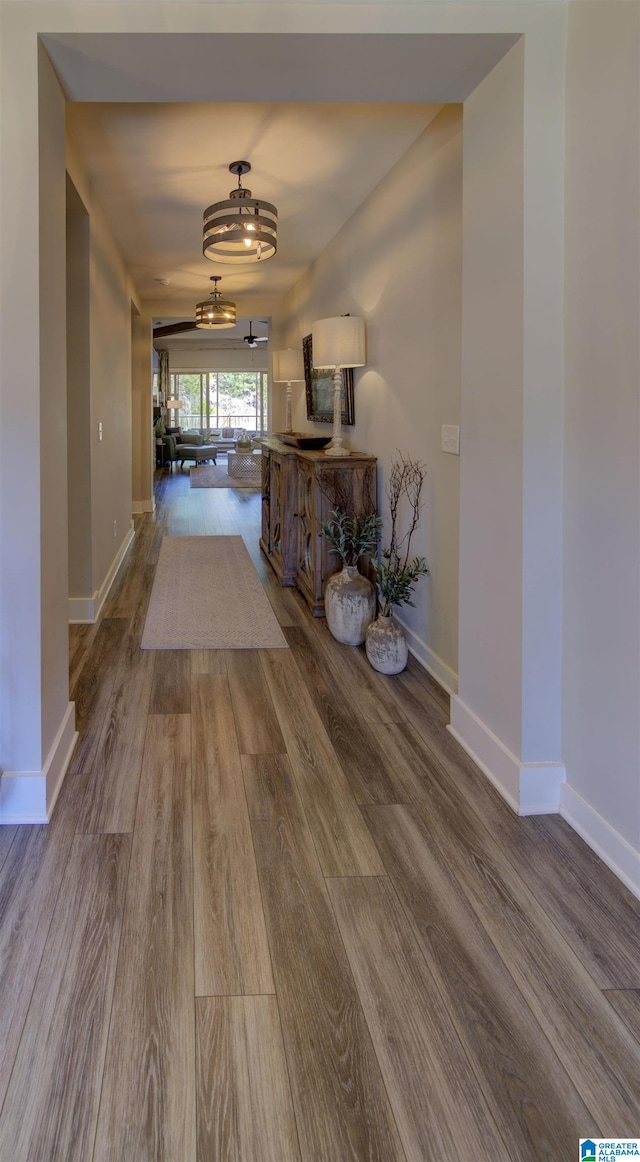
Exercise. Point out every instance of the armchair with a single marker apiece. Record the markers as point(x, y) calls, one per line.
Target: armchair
point(170, 445)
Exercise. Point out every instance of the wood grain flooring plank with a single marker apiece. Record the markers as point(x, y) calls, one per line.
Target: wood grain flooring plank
point(29, 884)
point(231, 948)
point(125, 593)
point(171, 688)
point(438, 1105)
point(595, 911)
point(81, 638)
point(257, 727)
point(93, 691)
point(538, 1112)
point(147, 1109)
point(418, 676)
point(178, 524)
point(7, 836)
point(208, 662)
point(360, 685)
point(597, 1051)
point(599, 917)
point(245, 1112)
point(341, 1106)
point(288, 604)
point(52, 1102)
point(340, 834)
point(371, 780)
point(626, 1003)
point(110, 801)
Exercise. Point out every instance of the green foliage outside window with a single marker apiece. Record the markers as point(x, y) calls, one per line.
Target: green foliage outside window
point(217, 399)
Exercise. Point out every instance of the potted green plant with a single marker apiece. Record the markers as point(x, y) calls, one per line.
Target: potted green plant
point(396, 571)
point(350, 599)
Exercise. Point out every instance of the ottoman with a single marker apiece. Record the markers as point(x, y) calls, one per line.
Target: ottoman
point(197, 452)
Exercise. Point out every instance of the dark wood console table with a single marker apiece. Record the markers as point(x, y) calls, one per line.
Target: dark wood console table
point(299, 490)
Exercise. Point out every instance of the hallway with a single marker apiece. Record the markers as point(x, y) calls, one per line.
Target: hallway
point(279, 914)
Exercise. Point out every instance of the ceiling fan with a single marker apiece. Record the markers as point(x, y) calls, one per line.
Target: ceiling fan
point(253, 340)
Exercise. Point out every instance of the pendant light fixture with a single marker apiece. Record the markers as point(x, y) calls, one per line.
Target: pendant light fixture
point(215, 312)
point(241, 228)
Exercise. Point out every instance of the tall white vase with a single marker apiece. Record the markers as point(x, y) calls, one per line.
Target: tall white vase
point(349, 605)
point(386, 647)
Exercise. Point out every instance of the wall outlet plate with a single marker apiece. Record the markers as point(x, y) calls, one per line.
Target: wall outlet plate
point(450, 439)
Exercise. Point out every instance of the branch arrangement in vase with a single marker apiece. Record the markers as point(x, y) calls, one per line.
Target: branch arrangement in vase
point(351, 537)
point(396, 571)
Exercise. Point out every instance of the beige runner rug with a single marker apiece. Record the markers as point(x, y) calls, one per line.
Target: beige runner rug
point(216, 476)
point(207, 595)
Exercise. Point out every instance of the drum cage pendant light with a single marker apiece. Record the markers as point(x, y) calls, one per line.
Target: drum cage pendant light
point(215, 312)
point(242, 228)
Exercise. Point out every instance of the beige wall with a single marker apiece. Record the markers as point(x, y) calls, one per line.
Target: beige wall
point(602, 414)
point(397, 263)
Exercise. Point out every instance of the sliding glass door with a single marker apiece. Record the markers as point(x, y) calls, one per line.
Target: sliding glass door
point(222, 399)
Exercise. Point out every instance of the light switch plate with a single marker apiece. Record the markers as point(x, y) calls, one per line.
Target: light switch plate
point(450, 439)
point(99, 431)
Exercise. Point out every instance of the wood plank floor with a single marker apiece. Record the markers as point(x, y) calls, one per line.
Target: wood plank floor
point(280, 916)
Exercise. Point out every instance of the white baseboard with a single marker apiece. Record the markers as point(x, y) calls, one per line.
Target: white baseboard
point(438, 669)
point(613, 849)
point(87, 610)
point(30, 796)
point(529, 788)
point(138, 506)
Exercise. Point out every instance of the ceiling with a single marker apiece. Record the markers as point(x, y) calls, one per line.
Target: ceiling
point(158, 118)
point(155, 167)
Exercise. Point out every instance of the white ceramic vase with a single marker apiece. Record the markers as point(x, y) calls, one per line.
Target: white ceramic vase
point(386, 647)
point(349, 605)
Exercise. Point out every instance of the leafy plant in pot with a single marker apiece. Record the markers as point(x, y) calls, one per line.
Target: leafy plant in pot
point(396, 571)
point(350, 598)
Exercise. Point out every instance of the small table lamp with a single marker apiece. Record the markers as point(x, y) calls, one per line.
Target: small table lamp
point(338, 343)
point(288, 368)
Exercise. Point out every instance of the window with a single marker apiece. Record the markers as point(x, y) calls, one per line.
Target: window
point(222, 399)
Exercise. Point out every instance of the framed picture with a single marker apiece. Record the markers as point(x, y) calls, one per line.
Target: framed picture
point(319, 387)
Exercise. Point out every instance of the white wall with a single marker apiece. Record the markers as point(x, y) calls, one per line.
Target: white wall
point(142, 444)
point(492, 405)
point(110, 298)
point(53, 410)
point(36, 717)
point(194, 358)
point(78, 397)
point(602, 414)
point(397, 263)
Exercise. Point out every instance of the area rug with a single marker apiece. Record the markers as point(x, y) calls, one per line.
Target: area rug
point(216, 476)
point(207, 595)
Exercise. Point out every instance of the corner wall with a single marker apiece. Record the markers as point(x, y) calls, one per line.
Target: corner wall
point(398, 264)
point(602, 433)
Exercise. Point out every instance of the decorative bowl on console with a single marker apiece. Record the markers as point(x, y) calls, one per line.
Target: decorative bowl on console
point(303, 440)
